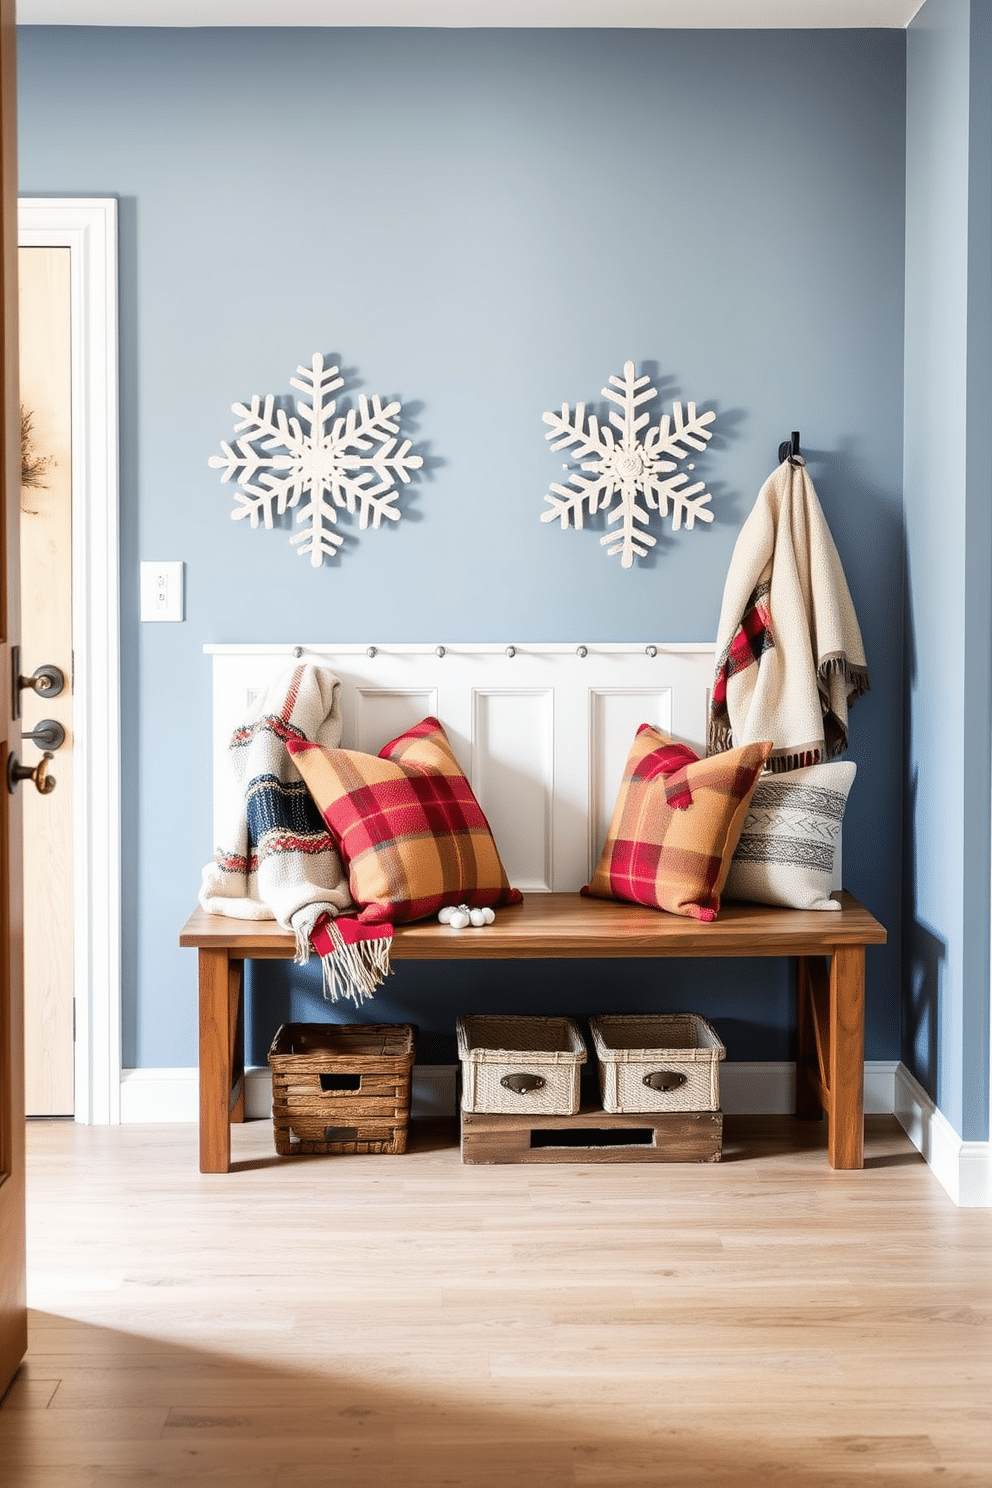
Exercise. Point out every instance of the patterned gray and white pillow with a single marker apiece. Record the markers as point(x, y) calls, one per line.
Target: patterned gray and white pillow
point(791, 836)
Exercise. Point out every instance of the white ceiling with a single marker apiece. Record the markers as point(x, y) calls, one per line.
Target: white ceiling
point(606, 13)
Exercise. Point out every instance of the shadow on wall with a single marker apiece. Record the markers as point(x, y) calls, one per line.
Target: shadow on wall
point(924, 953)
point(866, 523)
point(432, 994)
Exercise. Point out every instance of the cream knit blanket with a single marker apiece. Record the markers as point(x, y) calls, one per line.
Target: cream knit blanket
point(276, 859)
point(790, 657)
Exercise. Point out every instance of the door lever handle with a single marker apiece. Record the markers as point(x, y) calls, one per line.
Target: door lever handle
point(48, 734)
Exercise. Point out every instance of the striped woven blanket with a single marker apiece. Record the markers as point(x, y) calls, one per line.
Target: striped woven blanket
point(276, 859)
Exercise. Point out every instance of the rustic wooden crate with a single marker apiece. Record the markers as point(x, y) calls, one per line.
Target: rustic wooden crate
point(593, 1136)
point(638, 1051)
point(341, 1088)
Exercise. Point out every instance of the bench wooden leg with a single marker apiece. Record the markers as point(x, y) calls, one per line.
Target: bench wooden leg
point(236, 1026)
point(846, 1073)
point(809, 972)
point(221, 1063)
point(830, 1053)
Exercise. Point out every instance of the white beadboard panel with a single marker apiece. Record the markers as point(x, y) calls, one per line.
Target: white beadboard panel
point(512, 774)
point(541, 729)
point(380, 715)
point(614, 718)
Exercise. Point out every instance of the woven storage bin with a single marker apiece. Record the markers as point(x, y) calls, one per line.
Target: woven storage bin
point(512, 1064)
point(341, 1087)
point(637, 1051)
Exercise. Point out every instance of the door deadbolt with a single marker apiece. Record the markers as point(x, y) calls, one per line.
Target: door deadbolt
point(47, 681)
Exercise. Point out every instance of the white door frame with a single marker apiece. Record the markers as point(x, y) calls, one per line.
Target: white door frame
point(87, 226)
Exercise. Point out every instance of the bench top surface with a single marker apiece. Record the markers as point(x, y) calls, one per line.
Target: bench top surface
point(568, 927)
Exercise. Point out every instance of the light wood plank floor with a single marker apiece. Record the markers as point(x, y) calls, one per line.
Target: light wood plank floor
point(362, 1322)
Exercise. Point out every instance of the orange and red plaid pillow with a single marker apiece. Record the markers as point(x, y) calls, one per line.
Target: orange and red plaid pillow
point(676, 824)
point(408, 827)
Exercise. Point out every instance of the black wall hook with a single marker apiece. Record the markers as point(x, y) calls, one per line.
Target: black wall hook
point(789, 448)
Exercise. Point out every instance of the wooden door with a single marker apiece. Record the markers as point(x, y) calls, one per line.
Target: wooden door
point(13, 1310)
point(45, 394)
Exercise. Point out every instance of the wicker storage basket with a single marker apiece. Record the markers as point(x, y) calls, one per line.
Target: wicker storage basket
point(515, 1064)
point(341, 1087)
point(657, 1062)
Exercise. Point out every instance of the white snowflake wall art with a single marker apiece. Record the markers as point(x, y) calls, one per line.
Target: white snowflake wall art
point(315, 463)
point(626, 474)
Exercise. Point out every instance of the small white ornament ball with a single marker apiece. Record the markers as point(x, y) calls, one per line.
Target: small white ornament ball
point(459, 919)
point(489, 916)
point(444, 915)
point(477, 916)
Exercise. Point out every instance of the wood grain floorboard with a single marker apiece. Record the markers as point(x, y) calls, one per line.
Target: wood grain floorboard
point(369, 1321)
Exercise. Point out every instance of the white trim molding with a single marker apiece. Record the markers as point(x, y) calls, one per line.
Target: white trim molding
point(759, 1089)
point(963, 1168)
point(768, 1088)
point(682, 14)
point(169, 1095)
point(87, 226)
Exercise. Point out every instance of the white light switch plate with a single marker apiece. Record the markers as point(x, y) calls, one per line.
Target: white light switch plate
point(162, 591)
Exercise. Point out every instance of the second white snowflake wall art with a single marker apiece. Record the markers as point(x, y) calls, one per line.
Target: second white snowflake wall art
point(316, 464)
point(615, 472)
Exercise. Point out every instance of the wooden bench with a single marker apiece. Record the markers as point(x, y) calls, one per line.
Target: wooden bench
point(829, 949)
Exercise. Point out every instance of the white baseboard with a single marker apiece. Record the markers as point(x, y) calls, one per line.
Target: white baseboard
point(156, 1095)
point(963, 1168)
point(759, 1089)
point(766, 1088)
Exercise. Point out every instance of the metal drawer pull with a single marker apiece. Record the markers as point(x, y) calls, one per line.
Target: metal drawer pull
point(664, 1080)
point(521, 1083)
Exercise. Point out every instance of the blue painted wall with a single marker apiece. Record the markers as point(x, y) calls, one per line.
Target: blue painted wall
point(486, 225)
point(949, 547)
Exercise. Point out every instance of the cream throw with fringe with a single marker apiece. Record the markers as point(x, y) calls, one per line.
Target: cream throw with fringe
point(790, 656)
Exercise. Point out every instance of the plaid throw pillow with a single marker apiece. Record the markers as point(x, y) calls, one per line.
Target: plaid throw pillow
point(789, 840)
point(676, 824)
point(408, 827)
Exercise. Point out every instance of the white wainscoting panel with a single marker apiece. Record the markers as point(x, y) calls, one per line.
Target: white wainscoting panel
point(541, 730)
point(381, 715)
point(513, 775)
point(615, 718)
